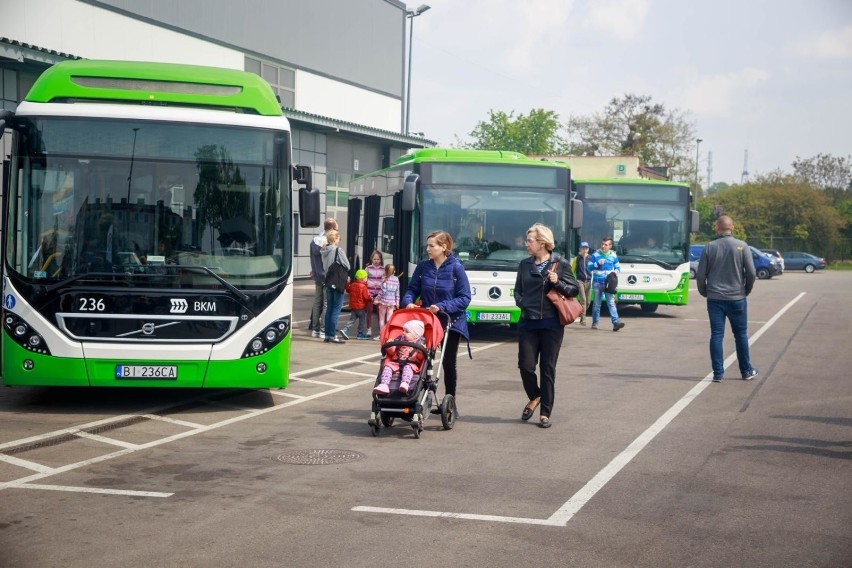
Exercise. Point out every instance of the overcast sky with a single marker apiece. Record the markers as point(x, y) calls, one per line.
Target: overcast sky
point(773, 77)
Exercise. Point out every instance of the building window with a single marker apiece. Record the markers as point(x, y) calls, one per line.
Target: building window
point(281, 79)
point(8, 89)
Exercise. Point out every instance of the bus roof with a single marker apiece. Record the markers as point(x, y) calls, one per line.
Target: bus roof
point(631, 181)
point(155, 84)
point(472, 156)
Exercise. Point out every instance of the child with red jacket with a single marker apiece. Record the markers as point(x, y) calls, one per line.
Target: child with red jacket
point(359, 301)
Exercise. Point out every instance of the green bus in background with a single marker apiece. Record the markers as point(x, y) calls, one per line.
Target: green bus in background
point(650, 223)
point(148, 227)
point(485, 199)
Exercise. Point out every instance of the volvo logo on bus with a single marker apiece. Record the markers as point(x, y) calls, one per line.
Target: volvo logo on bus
point(148, 328)
point(494, 293)
point(631, 279)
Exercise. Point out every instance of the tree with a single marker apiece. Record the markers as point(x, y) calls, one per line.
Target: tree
point(781, 207)
point(636, 125)
point(535, 134)
point(831, 174)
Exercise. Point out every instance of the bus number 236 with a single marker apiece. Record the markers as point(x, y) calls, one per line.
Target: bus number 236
point(91, 305)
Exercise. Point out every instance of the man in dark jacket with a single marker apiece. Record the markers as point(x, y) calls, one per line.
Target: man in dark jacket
point(316, 326)
point(725, 276)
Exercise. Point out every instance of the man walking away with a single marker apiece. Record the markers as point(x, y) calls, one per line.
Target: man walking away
point(725, 276)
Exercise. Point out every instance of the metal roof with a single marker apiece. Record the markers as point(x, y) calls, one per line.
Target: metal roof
point(21, 51)
point(334, 125)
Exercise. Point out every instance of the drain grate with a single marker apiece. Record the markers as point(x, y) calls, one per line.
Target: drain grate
point(320, 457)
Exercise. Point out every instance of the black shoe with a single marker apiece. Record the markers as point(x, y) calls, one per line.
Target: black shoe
point(717, 378)
point(751, 374)
point(617, 325)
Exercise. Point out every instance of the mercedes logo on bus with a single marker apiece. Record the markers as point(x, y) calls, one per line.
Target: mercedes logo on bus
point(494, 293)
point(631, 279)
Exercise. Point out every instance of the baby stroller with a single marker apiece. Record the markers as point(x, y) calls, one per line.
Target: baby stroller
point(422, 397)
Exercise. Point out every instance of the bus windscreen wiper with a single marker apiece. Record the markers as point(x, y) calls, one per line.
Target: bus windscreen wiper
point(237, 292)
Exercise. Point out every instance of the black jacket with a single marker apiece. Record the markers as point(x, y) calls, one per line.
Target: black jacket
point(531, 288)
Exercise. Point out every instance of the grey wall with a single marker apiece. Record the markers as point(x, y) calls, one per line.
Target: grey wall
point(361, 42)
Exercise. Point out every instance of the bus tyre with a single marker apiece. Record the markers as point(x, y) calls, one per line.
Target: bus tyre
point(648, 308)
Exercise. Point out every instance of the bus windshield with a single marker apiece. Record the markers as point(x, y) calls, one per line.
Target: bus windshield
point(142, 199)
point(489, 225)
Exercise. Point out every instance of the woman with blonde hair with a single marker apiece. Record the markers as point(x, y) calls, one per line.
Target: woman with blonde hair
point(331, 254)
point(539, 330)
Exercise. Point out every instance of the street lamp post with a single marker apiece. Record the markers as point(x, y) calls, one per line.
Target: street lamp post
point(698, 142)
point(411, 14)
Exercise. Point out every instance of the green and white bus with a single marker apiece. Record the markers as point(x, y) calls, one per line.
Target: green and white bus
point(485, 199)
point(148, 227)
point(650, 224)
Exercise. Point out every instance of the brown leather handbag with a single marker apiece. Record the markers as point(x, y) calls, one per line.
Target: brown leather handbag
point(569, 309)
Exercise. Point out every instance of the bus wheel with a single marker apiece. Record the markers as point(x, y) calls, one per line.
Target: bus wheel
point(648, 308)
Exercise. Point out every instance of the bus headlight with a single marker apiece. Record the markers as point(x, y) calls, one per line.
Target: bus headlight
point(24, 335)
point(269, 338)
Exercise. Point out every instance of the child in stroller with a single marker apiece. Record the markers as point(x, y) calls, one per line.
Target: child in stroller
point(403, 359)
point(407, 383)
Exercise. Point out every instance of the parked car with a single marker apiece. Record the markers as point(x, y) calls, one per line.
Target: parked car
point(765, 265)
point(803, 261)
point(778, 257)
point(694, 256)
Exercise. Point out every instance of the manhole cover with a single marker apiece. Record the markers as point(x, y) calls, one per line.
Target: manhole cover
point(320, 457)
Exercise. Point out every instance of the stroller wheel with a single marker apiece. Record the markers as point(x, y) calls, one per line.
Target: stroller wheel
point(387, 421)
point(374, 428)
point(417, 430)
point(448, 412)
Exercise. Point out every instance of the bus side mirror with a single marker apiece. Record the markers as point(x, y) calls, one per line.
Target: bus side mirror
point(693, 221)
point(5, 118)
point(409, 192)
point(576, 214)
point(309, 197)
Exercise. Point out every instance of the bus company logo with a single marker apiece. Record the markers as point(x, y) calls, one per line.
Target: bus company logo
point(631, 279)
point(179, 306)
point(494, 293)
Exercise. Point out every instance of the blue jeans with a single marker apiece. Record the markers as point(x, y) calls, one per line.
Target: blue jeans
point(333, 305)
point(737, 312)
point(610, 303)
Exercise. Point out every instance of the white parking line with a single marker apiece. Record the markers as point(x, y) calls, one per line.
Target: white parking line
point(105, 440)
point(571, 507)
point(96, 490)
point(25, 464)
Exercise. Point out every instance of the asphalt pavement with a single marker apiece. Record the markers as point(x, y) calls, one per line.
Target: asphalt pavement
point(648, 463)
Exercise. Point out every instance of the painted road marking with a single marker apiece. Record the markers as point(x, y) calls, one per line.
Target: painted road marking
point(571, 507)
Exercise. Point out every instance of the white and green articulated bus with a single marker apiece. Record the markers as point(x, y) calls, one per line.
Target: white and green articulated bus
point(650, 223)
point(148, 229)
point(486, 200)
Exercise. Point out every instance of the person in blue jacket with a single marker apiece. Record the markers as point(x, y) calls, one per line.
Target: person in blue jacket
point(441, 284)
point(601, 264)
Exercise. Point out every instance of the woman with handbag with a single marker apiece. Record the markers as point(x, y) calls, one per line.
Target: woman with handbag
point(336, 267)
point(539, 329)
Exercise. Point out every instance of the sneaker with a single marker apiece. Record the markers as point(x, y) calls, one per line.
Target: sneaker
point(751, 374)
point(344, 333)
point(316, 334)
point(403, 387)
point(594, 326)
point(617, 325)
point(364, 337)
point(322, 335)
point(335, 340)
point(377, 338)
point(717, 378)
point(582, 322)
point(381, 389)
